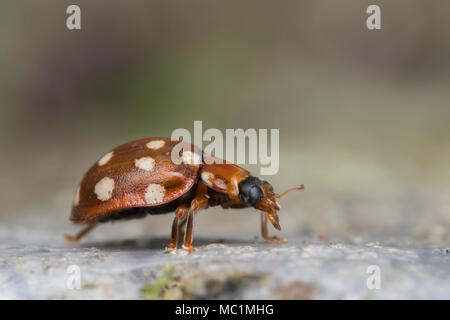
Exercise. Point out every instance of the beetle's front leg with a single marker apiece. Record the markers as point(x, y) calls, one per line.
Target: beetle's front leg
point(265, 232)
point(180, 214)
point(199, 202)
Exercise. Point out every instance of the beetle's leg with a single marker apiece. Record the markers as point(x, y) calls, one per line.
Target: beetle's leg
point(265, 232)
point(181, 225)
point(188, 237)
point(180, 214)
point(199, 202)
point(81, 234)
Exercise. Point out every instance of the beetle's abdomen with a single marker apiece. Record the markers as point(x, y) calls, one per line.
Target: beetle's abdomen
point(139, 174)
point(141, 212)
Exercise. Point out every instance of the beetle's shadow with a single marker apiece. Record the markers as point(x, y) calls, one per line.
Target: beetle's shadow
point(157, 243)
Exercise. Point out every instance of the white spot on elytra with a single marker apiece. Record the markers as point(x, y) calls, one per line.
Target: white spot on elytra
point(220, 183)
point(104, 188)
point(105, 159)
point(191, 158)
point(155, 144)
point(76, 201)
point(145, 163)
point(208, 178)
point(154, 193)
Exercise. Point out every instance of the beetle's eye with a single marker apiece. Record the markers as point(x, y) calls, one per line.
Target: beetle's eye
point(255, 195)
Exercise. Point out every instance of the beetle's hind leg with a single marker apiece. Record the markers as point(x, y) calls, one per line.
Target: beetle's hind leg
point(81, 234)
point(265, 232)
point(180, 215)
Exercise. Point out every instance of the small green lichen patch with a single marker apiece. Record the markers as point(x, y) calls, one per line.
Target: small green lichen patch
point(155, 290)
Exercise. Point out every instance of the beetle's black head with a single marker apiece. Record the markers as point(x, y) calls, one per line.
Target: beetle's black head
point(259, 194)
point(250, 192)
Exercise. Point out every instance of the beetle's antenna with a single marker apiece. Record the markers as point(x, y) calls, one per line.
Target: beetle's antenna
point(281, 195)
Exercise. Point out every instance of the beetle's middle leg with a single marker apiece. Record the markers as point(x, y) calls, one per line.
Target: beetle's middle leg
point(181, 225)
point(180, 214)
point(265, 232)
point(199, 202)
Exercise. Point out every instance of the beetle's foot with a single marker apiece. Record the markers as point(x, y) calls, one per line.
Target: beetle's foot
point(275, 239)
point(189, 249)
point(171, 247)
point(70, 239)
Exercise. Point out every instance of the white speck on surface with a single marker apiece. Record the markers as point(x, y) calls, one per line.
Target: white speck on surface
point(145, 163)
point(155, 144)
point(104, 189)
point(105, 159)
point(191, 158)
point(154, 193)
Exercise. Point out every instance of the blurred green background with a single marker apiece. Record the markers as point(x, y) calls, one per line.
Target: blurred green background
point(363, 115)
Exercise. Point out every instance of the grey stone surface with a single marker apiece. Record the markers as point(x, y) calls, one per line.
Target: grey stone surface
point(34, 265)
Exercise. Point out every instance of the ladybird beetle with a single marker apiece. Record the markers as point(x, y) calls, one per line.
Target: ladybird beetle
point(140, 178)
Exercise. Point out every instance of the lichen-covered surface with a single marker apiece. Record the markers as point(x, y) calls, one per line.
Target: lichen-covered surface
point(35, 264)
